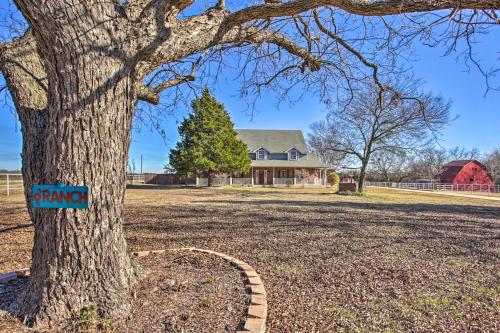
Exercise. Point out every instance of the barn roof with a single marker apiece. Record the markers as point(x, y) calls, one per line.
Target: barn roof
point(458, 163)
point(452, 169)
point(449, 172)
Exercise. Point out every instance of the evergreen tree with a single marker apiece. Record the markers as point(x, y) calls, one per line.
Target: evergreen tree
point(208, 143)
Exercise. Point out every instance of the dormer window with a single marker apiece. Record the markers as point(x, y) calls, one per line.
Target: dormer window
point(261, 154)
point(293, 155)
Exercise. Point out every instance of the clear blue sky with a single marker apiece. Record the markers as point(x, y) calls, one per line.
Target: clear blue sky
point(478, 123)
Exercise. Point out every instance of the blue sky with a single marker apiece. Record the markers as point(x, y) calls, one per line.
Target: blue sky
point(478, 123)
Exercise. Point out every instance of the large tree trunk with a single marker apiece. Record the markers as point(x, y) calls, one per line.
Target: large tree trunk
point(80, 256)
point(362, 175)
point(79, 135)
point(26, 78)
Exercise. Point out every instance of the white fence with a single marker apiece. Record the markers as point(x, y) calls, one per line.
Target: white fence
point(248, 181)
point(309, 181)
point(438, 187)
point(224, 181)
point(11, 183)
point(283, 181)
point(241, 181)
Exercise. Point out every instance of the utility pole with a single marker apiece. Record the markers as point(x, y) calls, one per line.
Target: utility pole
point(141, 164)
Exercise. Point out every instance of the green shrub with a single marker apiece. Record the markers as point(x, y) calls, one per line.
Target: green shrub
point(333, 178)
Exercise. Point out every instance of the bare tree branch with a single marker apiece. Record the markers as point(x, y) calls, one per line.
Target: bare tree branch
point(152, 94)
point(359, 7)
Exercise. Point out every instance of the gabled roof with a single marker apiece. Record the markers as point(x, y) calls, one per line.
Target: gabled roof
point(458, 163)
point(259, 148)
point(449, 172)
point(274, 141)
point(453, 168)
point(294, 148)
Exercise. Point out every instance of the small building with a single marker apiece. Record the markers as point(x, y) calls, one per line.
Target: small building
point(347, 180)
point(465, 172)
point(281, 157)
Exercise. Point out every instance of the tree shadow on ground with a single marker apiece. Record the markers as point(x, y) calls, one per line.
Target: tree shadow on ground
point(479, 211)
point(313, 225)
point(16, 227)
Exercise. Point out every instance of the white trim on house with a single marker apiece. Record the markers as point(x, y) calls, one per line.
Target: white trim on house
point(258, 154)
point(257, 175)
point(261, 147)
point(295, 156)
point(297, 149)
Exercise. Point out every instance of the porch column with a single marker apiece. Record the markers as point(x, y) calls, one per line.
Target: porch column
point(294, 177)
point(273, 175)
point(252, 176)
point(324, 177)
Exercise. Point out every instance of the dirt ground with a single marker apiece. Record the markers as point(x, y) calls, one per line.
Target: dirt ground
point(388, 261)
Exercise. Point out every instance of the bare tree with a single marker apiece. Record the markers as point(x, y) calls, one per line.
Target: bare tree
point(374, 122)
point(427, 163)
point(424, 163)
point(492, 162)
point(390, 165)
point(77, 71)
point(462, 153)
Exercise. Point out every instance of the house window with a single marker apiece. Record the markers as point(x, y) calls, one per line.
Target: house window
point(294, 155)
point(261, 154)
point(283, 174)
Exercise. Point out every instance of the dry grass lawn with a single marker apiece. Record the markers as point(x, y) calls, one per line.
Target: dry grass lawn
point(387, 261)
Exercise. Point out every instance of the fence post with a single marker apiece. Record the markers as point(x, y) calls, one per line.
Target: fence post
point(230, 180)
point(8, 192)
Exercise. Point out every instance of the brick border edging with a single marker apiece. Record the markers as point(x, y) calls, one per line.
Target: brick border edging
point(257, 311)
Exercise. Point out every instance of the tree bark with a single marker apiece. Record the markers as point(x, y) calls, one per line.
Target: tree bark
point(76, 131)
point(80, 256)
point(26, 78)
point(362, 175)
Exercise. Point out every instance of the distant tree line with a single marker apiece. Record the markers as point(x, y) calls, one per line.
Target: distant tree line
point(392, 138)
point(426, 163)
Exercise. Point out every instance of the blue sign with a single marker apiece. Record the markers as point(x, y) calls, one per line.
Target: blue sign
point(59, 196)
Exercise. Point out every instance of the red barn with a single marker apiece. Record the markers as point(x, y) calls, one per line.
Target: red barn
point(465, 172)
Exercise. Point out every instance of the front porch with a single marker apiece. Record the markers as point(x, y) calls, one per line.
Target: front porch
point(288, 176)
point(272, 176)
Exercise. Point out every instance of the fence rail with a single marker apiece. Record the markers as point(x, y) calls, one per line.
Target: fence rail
point(242, 181)
point(228, 181)
point(283, 181)
point(11, 183)
point(438, 186)
point(309, 181)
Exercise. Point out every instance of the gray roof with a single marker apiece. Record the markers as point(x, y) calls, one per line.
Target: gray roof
point(309, 161)
point(274, 141)
point(279, 141)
